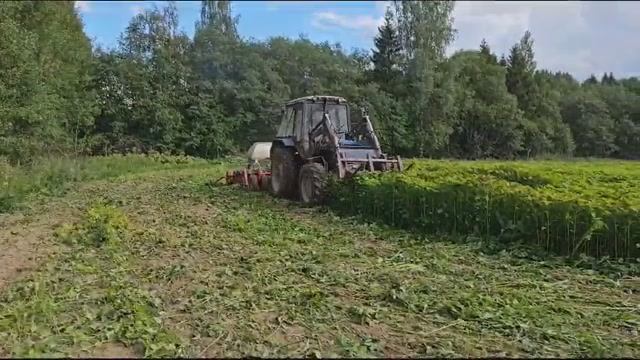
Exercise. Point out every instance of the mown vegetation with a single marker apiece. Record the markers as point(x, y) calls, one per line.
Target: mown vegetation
point(162, 262)
point(569, 208)
point(144, 255)
point(217, 92)
point(55, 176)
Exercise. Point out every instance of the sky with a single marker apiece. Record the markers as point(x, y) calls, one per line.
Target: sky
point(577, 37)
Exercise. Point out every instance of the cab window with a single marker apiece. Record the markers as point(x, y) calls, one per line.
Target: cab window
point(286, 127)
point(300, 127)
point(337, 114)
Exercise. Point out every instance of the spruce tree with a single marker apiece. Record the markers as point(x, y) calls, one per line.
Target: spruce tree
point(386, 55)
point(503, 61)
point(520, 72)
point(485, 51)
point(592, 80)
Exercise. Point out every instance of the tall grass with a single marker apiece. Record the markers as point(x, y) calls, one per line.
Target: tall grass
point(54, 176)
point(568, 208)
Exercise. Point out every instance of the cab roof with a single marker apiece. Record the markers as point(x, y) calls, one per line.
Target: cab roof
point(318, 98)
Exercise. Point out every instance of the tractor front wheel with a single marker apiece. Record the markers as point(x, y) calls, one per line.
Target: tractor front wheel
point(284, 172)
point(313, 178)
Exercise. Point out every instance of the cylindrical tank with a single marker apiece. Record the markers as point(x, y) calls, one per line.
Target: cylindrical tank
point(259, 151)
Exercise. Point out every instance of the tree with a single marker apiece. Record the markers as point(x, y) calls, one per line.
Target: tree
point(45, 92)
point(485, 51)
point(217, 14)
point(425, 30)
point(488, 121)
point(592, 80)
point(215, 94)
point(503, 61)
point(146, 84)
point(608, 79)
point(632, 84)
point(591, 125)
point(386, 55)
point(521, 68)
point(627, 139)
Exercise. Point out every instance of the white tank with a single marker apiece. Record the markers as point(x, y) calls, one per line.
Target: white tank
point(259, 151)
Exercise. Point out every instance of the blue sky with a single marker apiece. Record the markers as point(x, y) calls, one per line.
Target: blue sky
point(105, 20)
point(578, 37)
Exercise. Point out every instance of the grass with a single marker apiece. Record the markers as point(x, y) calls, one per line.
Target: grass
point(55, 176)
point(165, 263)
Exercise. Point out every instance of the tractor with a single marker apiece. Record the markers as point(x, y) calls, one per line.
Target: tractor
point(316, 138)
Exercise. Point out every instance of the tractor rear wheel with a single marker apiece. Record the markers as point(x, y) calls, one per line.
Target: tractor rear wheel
point(313, 178)
point(284, 172)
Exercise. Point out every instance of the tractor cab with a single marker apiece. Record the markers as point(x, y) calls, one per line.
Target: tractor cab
point(302, 116)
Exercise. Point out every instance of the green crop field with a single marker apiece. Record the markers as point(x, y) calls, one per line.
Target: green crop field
point(568, 208)
point(136, 256)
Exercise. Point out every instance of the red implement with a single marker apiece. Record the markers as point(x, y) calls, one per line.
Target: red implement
point(250, 179)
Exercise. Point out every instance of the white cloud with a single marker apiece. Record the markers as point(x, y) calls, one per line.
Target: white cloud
point(367, 25)
point(82, 6)
point(137, 9)
point(381, 6)
point(275, 5)
point(580, 37)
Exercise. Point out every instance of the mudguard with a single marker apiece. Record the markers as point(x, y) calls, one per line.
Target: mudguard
point(285, 141)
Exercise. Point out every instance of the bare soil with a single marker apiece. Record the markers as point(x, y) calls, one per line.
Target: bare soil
point(26, 240)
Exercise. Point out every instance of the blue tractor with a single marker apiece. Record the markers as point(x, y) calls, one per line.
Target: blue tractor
point(316, 138)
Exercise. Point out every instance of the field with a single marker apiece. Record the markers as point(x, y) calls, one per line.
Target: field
point(145, 256)
point(567, 208)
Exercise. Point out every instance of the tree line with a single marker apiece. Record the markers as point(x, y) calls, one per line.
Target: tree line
point(216, 93)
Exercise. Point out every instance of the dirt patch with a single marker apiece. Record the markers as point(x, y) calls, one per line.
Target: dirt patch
point(113, 351)
point(376, 331)
point(25, 241)
point(288, 335)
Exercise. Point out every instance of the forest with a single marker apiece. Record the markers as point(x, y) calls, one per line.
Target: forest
point(214, 94)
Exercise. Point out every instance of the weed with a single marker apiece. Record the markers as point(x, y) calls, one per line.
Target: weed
point(102, 224)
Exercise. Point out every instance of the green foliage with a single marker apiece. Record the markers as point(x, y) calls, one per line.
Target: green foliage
point(217, 15)
point(115, 311)
point(386, 56)
point(213, 271)
point(486, 53)
point(102, 225)
point(216, 93)
point(591, 124)
point(488, 121)
point(564, 208)
point(46, 103)
point(425, 29)
point(54, 176)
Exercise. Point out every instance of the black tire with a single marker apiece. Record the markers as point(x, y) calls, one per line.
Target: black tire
point(313, 179)
point(284, 172)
